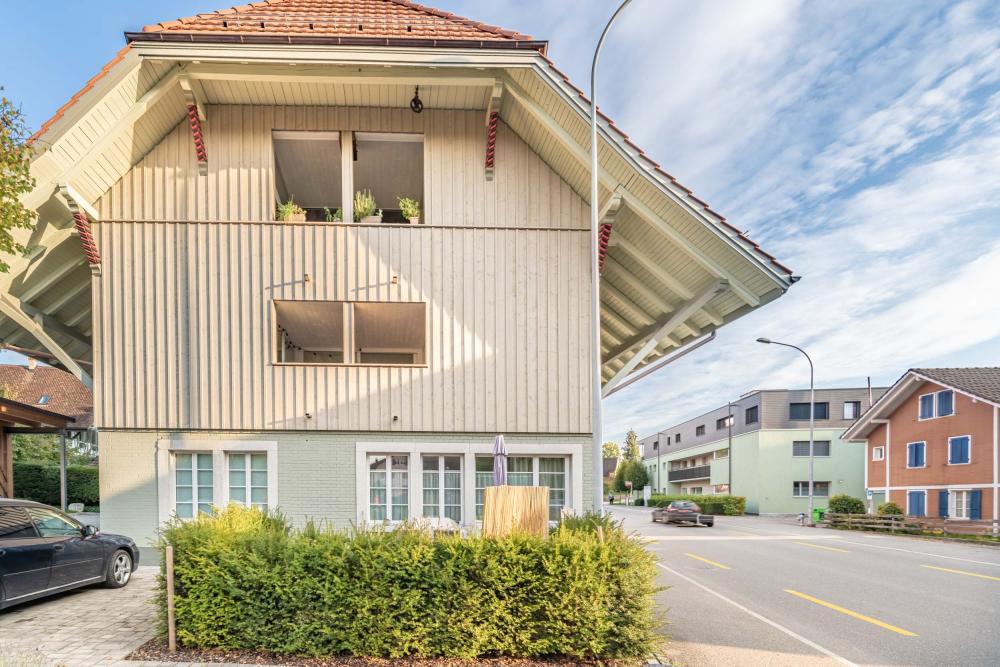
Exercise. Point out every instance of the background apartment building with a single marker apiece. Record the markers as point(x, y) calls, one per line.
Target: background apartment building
point(758, 447)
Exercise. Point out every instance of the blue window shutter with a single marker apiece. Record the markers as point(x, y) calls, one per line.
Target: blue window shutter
point(922, 448)
point(911, 453)
point(976, 504)
point(943, 504)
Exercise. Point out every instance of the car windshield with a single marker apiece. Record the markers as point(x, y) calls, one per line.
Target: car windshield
point(684, 505)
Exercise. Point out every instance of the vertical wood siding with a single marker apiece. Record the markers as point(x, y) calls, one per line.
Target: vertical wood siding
point(184, 326)
point(239, 186)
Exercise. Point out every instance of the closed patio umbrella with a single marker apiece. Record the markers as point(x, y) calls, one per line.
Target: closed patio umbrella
point(499, 461)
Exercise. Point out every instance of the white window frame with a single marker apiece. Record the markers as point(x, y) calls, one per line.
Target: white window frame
point(805, 487)
point(916, 442)
point(441, 486)
point(852, 404)
point(572, 451)
point(953, 504)
point(166, 472)
point(389, 488)
point(878, 453)
point(936, 405)
point(908, 492)
point(248, 476)
point(955, 437)
point(195, 486)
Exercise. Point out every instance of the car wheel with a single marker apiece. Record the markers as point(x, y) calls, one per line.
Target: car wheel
point(119, 569)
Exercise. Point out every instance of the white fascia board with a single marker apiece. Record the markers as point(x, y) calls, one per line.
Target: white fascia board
point(334, 54)
point(676, 194)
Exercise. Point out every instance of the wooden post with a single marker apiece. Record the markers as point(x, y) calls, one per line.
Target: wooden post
point(171, 621)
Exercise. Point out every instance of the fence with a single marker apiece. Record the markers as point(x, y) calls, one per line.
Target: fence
point(910, 524)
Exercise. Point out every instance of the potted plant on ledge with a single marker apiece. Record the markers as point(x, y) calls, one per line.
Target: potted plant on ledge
point(289, 211)
point(365, 208)
point(410, 209)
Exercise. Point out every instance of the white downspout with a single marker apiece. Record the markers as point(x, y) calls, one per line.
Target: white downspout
point(996, 473)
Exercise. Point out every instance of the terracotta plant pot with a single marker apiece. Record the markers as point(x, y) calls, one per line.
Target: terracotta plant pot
point(297, 217)
point(371, 219)
point(414, 221)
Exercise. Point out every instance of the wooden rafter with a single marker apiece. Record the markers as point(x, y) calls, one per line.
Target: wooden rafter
point(492, 119)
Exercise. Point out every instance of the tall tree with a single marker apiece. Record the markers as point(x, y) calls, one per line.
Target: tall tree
point(15, 178)
point(611, 450)
point(630, 452)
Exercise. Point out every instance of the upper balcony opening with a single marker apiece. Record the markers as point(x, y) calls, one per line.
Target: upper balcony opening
point(307, 171)
point(390, 166)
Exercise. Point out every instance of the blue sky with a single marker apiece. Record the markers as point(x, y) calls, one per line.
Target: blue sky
point(857, 141)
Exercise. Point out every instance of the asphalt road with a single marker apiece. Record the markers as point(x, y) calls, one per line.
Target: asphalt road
point(760, 591)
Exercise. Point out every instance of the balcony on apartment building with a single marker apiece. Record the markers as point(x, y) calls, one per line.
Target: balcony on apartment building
point(684, 474)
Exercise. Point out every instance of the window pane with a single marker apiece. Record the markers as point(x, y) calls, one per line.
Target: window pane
point(307, 168)
point(15, 524)
point(751, 415)
point(185, 510)
point(798, 411)
point(238, 494)
point(552, 473)
point(204, 508)
point(258, 462)
point(519, 471)
point(184, 478)
point(927, 406)
point(258, 495)
point(182, 461)
point(205, 462)
point(946, 403)
point(852, 409)
point(822, 410)
point(484, 478)
point(184, 494)
point(431, 463)
point(237, 461)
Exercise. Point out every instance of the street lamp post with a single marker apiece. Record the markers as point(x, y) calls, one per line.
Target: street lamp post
point(812, 416)
point(595, 276)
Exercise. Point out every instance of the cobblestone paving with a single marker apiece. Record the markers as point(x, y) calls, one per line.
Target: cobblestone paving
point(88, 626)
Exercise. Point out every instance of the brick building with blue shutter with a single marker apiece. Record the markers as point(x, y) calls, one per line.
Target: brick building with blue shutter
point(931, 443)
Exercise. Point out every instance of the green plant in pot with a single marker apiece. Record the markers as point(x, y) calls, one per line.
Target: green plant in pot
point(365, 208)
point(410, 209)
point(336, 216)
point(289, 211)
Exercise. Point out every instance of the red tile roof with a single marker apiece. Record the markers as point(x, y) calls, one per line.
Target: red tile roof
point(392, 20)
point(66, 395)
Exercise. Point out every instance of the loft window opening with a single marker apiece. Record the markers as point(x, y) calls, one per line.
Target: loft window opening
point(310, 332)
point(389, 166)
point(389, 333)
point(307, 171)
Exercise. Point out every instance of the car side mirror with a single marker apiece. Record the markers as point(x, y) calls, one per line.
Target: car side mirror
point(89, 531)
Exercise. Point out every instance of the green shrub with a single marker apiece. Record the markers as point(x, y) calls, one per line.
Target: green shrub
point(639, 502)
point(890, 509)
point(244, 580)
point(844, 504)
point(40, 482)
point(721, 505)
point(593, 522)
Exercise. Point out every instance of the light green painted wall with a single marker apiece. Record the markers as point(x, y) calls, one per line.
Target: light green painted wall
point(763, 469)
point(316, 473)
point(778, 469)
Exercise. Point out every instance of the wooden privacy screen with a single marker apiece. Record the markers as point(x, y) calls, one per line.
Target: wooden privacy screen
point(516, 509)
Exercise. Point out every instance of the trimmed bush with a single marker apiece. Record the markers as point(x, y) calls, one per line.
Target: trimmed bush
point(245, 580)
point(40, 482)
point(844, 504)
point(720, 505)
point(890, 509)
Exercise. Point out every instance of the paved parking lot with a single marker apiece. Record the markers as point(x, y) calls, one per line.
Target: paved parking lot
point(89, 626)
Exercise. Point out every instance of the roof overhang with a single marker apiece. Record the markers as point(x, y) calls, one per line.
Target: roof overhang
point(890, 401)
point(16, 414)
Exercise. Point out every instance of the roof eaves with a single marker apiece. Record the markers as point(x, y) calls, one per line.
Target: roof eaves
point(204, 36)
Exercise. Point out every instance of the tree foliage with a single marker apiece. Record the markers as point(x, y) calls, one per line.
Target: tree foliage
point(844, 504)
point(631, 471)
point(44, 449)
point(611, 450)
point(630, 452)
point(15, 178)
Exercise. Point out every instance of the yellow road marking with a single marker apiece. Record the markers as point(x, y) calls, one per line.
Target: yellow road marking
point(820, 546)
point(968, 574)
point(852, 614)
point(710, 562)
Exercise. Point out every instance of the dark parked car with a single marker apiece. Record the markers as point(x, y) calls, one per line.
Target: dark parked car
point(682, 511)
point(43, 551)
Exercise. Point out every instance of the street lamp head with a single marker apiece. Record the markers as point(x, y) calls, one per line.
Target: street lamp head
point(766, 341)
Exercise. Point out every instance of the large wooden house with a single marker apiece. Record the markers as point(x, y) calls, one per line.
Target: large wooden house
point(336, 358)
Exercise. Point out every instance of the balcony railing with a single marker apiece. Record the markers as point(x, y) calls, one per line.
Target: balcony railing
point(690, 473)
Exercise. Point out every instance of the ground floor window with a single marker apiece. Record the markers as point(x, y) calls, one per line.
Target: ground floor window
point(388, 487)
point(248, 479)
point(443, 487)
point(801, 489)
point(958, 503)
point(695, 490)
point(193, 484)
point(547, 471)
point(721, 488)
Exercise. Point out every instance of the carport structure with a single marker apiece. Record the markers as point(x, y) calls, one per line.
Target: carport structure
point(21, 418)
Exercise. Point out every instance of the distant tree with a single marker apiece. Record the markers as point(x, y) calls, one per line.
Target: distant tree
point(44, 448)
point(611, 450)
point(15, 178)
point(630, 471)
point(630, 452)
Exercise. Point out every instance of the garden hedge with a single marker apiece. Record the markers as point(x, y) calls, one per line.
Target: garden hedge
point(845, 504)
point(721, 505)
point(246, 580)
point(40, 482)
